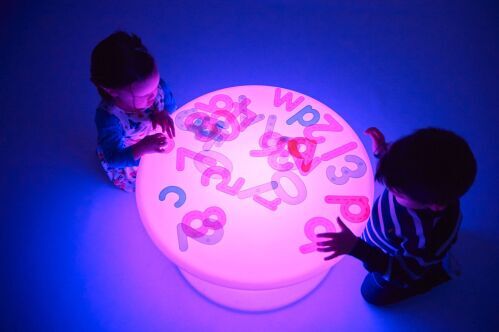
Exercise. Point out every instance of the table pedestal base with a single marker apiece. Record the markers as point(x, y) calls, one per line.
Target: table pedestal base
point(253, 300)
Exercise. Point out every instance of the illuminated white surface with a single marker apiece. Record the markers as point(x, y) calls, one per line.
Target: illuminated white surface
point(256, 247)
point(254, 300)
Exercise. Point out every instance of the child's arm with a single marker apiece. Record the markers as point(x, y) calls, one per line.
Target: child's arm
point(399, 267)
point(162, 118)
point(345, 242)
point(110, 137)
point(379, 144)
point(374, 259)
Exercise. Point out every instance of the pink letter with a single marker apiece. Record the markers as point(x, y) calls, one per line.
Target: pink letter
point(182, 153)
point(271, 205)
point(332, 125)
point(346, 202)
point(274, 161)
point(223, 186)
point(262, 188)
point(310, 228)
point(300, 117)
point(288, 99)
point(305, 160)
point(247, 117)
point(339, 151)
point(298, 183)
point(214, 104)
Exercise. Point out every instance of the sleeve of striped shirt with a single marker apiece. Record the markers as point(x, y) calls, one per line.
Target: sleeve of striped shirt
point(404, 256)
point(374, 259)
point(398, 267)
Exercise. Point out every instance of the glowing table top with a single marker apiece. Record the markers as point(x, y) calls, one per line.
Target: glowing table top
point(253, 173)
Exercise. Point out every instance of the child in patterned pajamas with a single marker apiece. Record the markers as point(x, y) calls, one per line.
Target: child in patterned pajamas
point(135, 100)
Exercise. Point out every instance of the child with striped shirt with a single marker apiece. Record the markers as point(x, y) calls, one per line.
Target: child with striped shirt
point(415, 221)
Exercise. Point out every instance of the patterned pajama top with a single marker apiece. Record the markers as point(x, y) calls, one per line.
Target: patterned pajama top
point(118, 130)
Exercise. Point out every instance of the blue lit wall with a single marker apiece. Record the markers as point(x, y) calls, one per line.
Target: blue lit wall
point(74, 253)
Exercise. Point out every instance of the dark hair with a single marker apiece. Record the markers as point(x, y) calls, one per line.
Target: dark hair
point(430, 166)
point(118, 61)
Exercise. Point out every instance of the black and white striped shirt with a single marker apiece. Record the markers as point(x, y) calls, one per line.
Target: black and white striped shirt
point(404, 244)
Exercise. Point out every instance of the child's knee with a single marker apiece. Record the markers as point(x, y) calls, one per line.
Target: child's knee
point(371, 291)
point(379, 293)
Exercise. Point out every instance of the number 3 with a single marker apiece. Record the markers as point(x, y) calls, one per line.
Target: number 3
point(347, 173)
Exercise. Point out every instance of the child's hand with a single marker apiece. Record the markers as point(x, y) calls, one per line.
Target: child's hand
point(165, 121)
point(379, 144)
point(341, 242)
point(149, 144)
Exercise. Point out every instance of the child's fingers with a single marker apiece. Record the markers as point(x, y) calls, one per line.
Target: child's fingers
point(164, 127)
point(331, 246)
point(374, 139)
point(167, 124)
point(326, 249)
point(169, 131)
point(330, 235)
point(375, 135)
point(341, 223)
point(160, 144)
point(373, 131)
point(161, 140)
point(172, 126)
point(336, 254)
point(369, 131)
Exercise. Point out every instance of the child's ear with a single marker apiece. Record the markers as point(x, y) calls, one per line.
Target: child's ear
point(109, 91)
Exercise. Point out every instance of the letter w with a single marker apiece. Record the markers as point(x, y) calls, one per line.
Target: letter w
point(288, 99)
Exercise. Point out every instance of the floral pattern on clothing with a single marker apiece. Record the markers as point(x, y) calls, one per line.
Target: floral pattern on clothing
point(135, 127)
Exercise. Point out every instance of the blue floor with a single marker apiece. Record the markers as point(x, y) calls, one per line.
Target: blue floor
point(75, 256)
